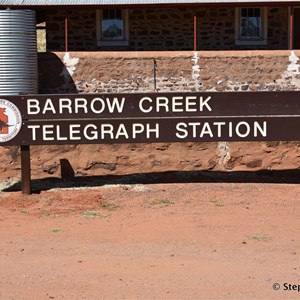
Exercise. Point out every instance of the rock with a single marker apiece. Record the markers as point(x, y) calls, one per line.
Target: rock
point(51, 169)
point(253, 88)
point(211, 164)
point(197, 164)
point(102, 165)
point(271, 88)
point(254, 164)
point(230, 164)
point(155, 163)
point(220, 88)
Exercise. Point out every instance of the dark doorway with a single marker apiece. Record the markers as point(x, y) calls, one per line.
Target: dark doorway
point(296, 40)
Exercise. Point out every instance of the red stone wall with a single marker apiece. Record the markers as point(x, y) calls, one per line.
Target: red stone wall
point(97, 72)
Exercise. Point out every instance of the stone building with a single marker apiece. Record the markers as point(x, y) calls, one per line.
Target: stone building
point(152, 25)
point(169, 28)
point(99, 46)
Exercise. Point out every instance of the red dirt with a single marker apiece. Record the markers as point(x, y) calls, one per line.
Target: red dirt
point(160, 241)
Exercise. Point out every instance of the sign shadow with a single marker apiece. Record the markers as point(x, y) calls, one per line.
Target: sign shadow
point(170, 177)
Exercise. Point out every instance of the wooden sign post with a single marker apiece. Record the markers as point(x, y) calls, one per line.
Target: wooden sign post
point(25, 170)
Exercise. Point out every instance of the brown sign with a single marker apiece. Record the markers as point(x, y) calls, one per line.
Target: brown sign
point(158, 130)
point(147, 105)
point(151, 117)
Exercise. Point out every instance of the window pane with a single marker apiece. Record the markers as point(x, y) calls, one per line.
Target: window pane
point(250, 12)
point(257, 12)
point(254, 27)
point(250, 23)
point(112, 25)
point(118, 14)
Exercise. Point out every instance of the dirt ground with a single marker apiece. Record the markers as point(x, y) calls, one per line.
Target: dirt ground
point(152, 241)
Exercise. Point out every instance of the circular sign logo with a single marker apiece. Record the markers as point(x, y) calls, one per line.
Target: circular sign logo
point(10, 120)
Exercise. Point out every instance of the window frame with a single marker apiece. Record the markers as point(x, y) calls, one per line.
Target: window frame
point(107, 43)
point(263, 40)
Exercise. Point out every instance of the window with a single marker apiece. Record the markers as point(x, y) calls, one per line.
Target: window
point(251, 26)
point(112, 27)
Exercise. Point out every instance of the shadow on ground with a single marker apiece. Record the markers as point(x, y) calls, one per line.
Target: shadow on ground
point(280, 177)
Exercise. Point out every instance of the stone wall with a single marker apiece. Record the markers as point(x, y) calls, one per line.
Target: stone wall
point(81, 29)
point(161, 29)
point(98, 72)
point(277, 28)
point(242, 71)
point(164, 29)
point(217, 29)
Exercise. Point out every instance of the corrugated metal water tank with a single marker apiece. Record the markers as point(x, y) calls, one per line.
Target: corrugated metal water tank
point(18, 52)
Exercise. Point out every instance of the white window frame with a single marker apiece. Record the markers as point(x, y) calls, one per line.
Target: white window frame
point(102, 43)
point(251, 42)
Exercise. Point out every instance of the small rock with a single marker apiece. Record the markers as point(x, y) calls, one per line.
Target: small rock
point(253, 88)
point(271, 88)
point(51, 169)
point(197, 164)
point(211, 164)
point(254, 164)
point(155, 163)
point(100, 165)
